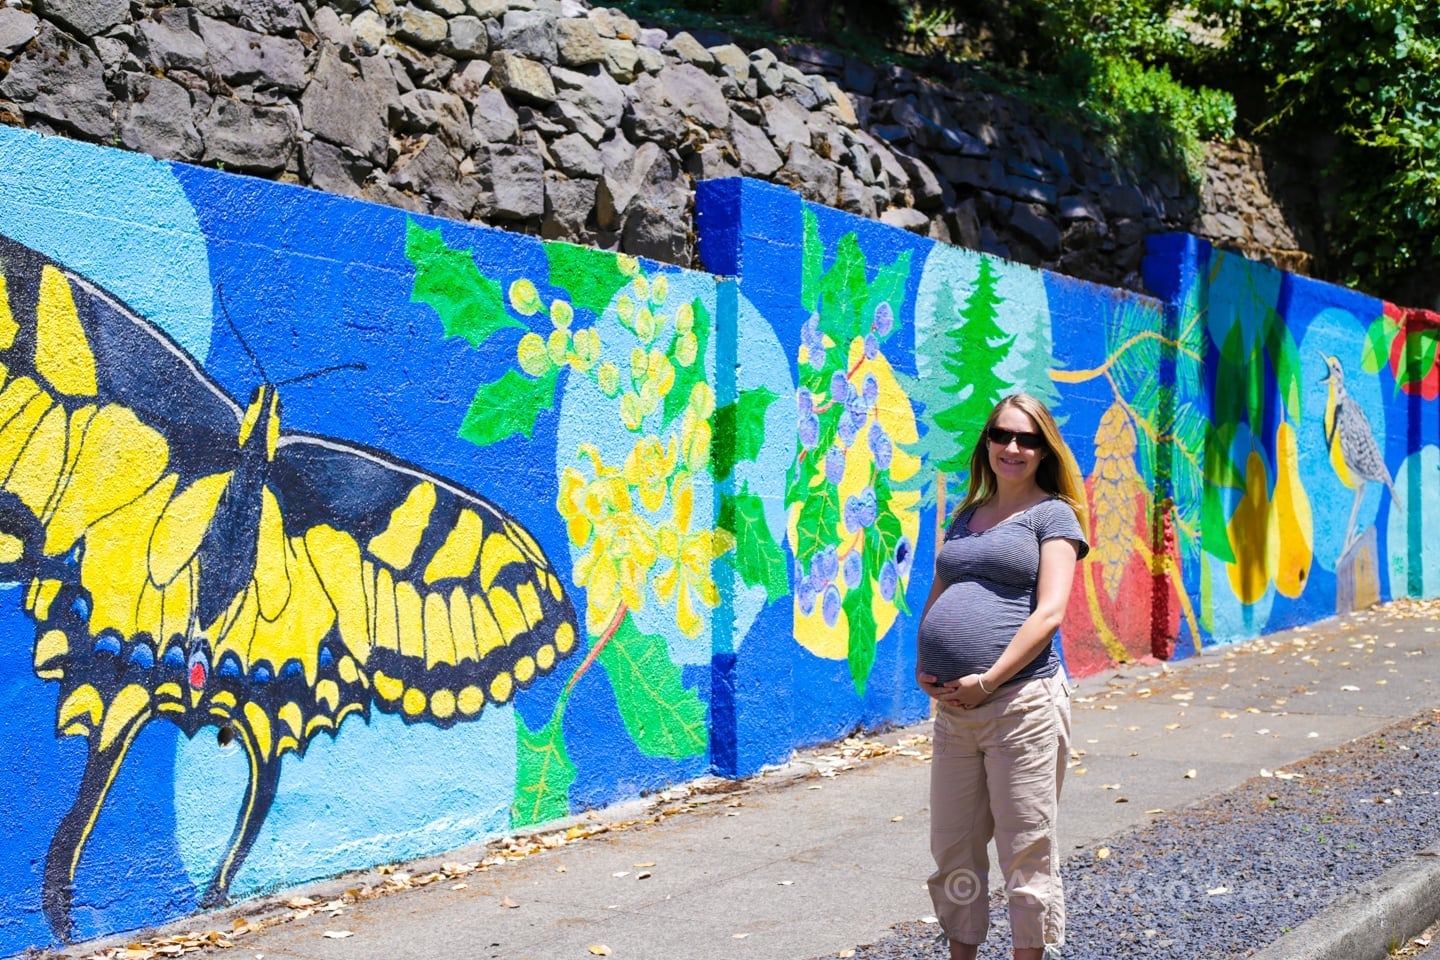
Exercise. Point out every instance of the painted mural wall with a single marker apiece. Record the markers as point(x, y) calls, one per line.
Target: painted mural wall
point(332, 535)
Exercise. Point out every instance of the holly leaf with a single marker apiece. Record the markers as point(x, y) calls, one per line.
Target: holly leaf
point(543, 773)
point(663, 716)
point(758, 558)
point(744, 421)
point(469, 304)
point(505, 407)
point(591, 277)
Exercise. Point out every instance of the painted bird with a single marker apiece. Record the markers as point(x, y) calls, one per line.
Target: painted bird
point(1354, 453)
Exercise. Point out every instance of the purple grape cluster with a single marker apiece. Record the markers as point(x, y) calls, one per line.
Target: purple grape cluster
point(808, 424)
point(884, 319)
point(857, 403)
point(814, 342)
point(860, 510)
point(818, 584)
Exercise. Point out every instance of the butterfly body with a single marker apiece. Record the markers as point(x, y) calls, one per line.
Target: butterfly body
point(186, 559)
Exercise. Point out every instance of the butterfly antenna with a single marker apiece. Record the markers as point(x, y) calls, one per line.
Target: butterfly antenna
point(320, 373)
point(244, 345)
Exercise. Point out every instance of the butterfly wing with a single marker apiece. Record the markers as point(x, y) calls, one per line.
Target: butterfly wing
point(443, 600)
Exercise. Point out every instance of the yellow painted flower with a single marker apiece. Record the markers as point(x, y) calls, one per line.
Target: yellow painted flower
point(600, 514)
point(532, 355)
point(684, 317)
point(648, 469)
point(524, 297)
point(586, 349)
point(625, 309)
point(687, 347)
point(557, 345)
point(632, 411)
point(695, 428)
point(561, 313)
point(659, 290)
point(645, 325)
point(608, 378)
point(659, 375)
point(691, 553)
point(642, 288)
point(627, 265)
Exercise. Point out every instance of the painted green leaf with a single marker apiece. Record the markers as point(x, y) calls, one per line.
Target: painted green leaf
point(818, 515)
point(1420, 347)
point(1232, 351)
point(758, 558)
point(505, 407)
point(889, 287)
point(743, 420)
point(1285, 358)
point(469, 305)
point(591, 277)
point(1255, 388)
point(813, 257)
point(1214, 535)
point(860, 618)
point(543, 772)
point(844, 291)
point(663, 716)
point(687, 377)
point(1377, 344)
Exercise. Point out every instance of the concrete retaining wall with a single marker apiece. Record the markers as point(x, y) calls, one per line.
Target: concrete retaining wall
point(534, 527)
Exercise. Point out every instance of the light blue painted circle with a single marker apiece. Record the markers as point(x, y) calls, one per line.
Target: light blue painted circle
point(588, 417)
point(1421, 468)
point(120, 219)
point(1335, 332)
point(1026, 315)
point(378, 792)
point(764, 364)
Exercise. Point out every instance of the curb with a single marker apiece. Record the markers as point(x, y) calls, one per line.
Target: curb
point(1365, 923)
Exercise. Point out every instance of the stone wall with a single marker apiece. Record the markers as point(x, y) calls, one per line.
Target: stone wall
point(549, 117)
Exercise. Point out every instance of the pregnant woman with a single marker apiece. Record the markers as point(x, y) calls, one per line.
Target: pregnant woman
point(985, 654)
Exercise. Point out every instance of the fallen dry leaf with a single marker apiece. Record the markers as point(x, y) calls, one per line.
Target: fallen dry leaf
point(1102, 853)
point(738, 936)
point(647, 863)
point(1190, 774)
point(337, 934)
point(298, 903)
point(897, 819)
point(508, 904)
point(599, 949)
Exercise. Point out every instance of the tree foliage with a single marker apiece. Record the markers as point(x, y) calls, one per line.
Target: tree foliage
point(1367, 73)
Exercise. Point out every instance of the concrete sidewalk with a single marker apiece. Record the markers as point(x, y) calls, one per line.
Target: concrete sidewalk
point(831, 850)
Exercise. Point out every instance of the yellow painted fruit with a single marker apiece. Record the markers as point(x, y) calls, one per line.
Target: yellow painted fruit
point(1254, 535)
point(1292, 513)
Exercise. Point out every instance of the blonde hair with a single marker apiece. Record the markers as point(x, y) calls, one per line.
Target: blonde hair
point(1058, 474)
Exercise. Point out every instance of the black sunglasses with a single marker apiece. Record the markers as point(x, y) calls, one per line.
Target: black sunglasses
point(1001, 436)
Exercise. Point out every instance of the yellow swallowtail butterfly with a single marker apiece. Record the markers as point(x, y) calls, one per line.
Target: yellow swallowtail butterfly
point(184, 559)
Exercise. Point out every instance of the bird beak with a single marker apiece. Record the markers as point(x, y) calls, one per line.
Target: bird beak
point(1325, 360)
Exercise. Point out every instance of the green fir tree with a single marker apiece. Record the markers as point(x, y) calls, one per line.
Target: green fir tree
point(979, 348)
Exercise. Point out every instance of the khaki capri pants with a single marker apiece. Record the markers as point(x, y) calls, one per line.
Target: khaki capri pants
point(997, 772)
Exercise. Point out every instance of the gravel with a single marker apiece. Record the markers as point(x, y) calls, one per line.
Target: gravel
point(1228, 875)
